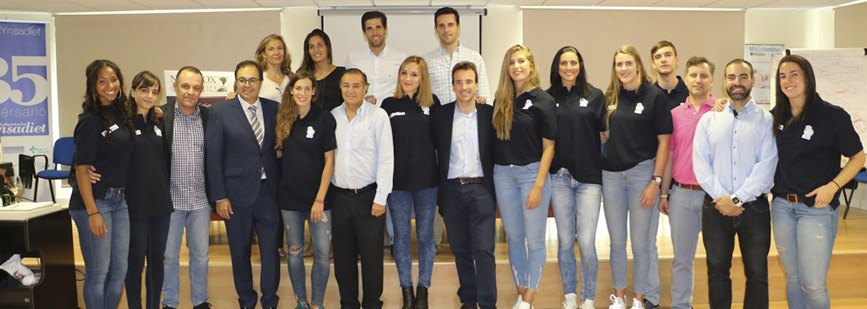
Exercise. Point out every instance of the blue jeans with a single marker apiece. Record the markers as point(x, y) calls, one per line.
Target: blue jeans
point(105, 259)
point(525, 228)
point(805, 238)
point(576, 210)
point(400, 205)
point(197, 224)
point(621, 193)
point(684, 213)
point(320, 233)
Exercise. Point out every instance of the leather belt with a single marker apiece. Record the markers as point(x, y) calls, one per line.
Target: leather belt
point(793, 198)
point(468, 180)
point(361, 190)
point(686, 186)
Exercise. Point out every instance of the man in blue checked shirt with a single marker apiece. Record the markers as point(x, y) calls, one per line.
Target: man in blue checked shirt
point(734, 159)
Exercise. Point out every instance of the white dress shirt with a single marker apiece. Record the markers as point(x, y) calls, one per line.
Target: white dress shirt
point(440, 65)
point(273, 91)
point(381, 71)
point(365, 153)
point(465, 159)
point(735, 154)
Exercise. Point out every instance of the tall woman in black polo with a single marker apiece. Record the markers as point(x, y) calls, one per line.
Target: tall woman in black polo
point(147, 194)
point(103, 140)
point(305, 135)
point(317, 61)
point(639, 128)
point(811, 136)
point(415, 175)
point(526, 123)
point(576, 172)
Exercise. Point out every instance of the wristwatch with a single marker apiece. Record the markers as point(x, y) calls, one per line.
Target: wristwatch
point(737, 201)
point(657, 180)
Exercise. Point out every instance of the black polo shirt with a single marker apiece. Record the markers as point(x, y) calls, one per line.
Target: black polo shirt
point(415, 165)
point(534, 117)
point(810, 148)
point(675, 96)
point(304, 159)
point(579, 121)
point(147, 189)
point(106, 148)
point(328, 94)
point(633, 128)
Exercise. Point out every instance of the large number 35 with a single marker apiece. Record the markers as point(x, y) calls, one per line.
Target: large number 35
point(17, 96)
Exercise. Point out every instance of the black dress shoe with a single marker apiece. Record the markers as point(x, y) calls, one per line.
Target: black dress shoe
point(408, 297)
point(421, 297)
point(168, 307)
point(468, 306)
point(204, 305)
point(649, 305)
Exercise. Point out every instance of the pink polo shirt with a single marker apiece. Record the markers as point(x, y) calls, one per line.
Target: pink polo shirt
point(685, 119)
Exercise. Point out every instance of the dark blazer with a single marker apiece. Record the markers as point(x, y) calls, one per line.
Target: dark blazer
point(168, 138)
point(234, 157)
point(443, 120)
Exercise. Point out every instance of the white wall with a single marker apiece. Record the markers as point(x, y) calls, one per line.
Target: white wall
point(792, 28)
point(502, 28)
point(295, 24)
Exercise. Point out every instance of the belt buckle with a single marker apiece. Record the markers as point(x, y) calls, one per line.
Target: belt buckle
point(354, 191)
point(793, 198)
point(463, 181)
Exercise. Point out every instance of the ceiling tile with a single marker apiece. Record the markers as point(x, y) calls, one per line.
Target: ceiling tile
point(170, 4)
point(684, 3)
point(343, 3)
point(228, 4)
point(118, 5)
point(285, 3)
point(457, 3)
point(571, 2)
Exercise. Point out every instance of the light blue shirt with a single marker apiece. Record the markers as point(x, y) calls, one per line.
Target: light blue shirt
point(365, 150)
point(465, 160)
point(735, 155)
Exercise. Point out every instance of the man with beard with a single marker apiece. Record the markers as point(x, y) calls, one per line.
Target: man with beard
point(734, 159)
point(379, 62)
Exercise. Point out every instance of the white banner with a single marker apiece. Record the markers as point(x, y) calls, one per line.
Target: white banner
point(217, 86)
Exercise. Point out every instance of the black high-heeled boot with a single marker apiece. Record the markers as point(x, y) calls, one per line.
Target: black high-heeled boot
point(408, 297)
point(421, 298)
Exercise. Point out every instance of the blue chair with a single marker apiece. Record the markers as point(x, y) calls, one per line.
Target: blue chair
point(64, 150)
point(851, 186)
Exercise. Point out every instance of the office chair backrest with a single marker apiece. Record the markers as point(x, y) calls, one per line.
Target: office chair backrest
point(64, 150)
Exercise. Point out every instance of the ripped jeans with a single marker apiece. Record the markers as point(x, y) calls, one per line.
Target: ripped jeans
point(805, 238)
point(320, 233)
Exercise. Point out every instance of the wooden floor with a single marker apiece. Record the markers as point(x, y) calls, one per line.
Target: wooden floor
point(847, 279)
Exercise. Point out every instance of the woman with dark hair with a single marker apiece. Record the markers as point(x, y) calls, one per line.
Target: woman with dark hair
point(415, 177)
point(811, 136)
point(525, 120)
point(576, 172)
point(317, 61)
point(305, 135)
point(639, 128)
point(147, 194)
point(103, 142)
point(276, 63)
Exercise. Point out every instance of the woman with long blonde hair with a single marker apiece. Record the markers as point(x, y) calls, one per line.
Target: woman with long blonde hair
point(415, 177)
point(306, 137)
point(525, 121)
point(276, 63)
point(639, 128)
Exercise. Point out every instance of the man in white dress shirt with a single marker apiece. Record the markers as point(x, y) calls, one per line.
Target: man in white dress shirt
point(379, 62)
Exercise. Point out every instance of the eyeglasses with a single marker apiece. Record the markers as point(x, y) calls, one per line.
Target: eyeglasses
point(243, 81)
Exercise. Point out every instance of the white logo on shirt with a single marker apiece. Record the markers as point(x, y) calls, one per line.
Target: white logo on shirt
point(808, 132)
point(639, 108)
point(528, 104)
point(583, 102)
point(425, 110)
point(310, 132)
point(111, 129)
point(158, 132)
point(137, 132)
point(395, 114)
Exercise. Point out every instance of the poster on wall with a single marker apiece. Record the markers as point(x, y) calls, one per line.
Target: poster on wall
point(763, 57)
point(24, 90)
point(217, 85)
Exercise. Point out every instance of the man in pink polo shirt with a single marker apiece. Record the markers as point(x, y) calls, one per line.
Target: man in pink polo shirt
point(684, 204)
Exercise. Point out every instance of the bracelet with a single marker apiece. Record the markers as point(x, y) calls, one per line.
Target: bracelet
point(665, 196)
point(836, 184)
point(318, 201)
point(90, 215)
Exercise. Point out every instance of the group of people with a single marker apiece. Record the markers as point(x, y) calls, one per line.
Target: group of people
point(339, 147)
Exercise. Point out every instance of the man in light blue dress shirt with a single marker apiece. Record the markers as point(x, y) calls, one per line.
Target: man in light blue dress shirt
point(734, 158)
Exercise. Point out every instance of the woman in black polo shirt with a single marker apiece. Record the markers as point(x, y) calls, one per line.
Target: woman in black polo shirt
point(811, 136)
point(147, 193)
point(526, 123)
point(317, 61)
point(639, 128)
point(576, 172)
point(305, 135)
point(415, 176)
point(103, 140)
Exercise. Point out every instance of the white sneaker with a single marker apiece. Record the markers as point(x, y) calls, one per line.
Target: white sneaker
point(570, 301)
point(616, 302)
point(18, 271)
point(524, 305)
point(588, 304)
point(637, 304)
point(518, 302)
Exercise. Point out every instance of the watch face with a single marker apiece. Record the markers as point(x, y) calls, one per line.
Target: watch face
point(736, 201)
